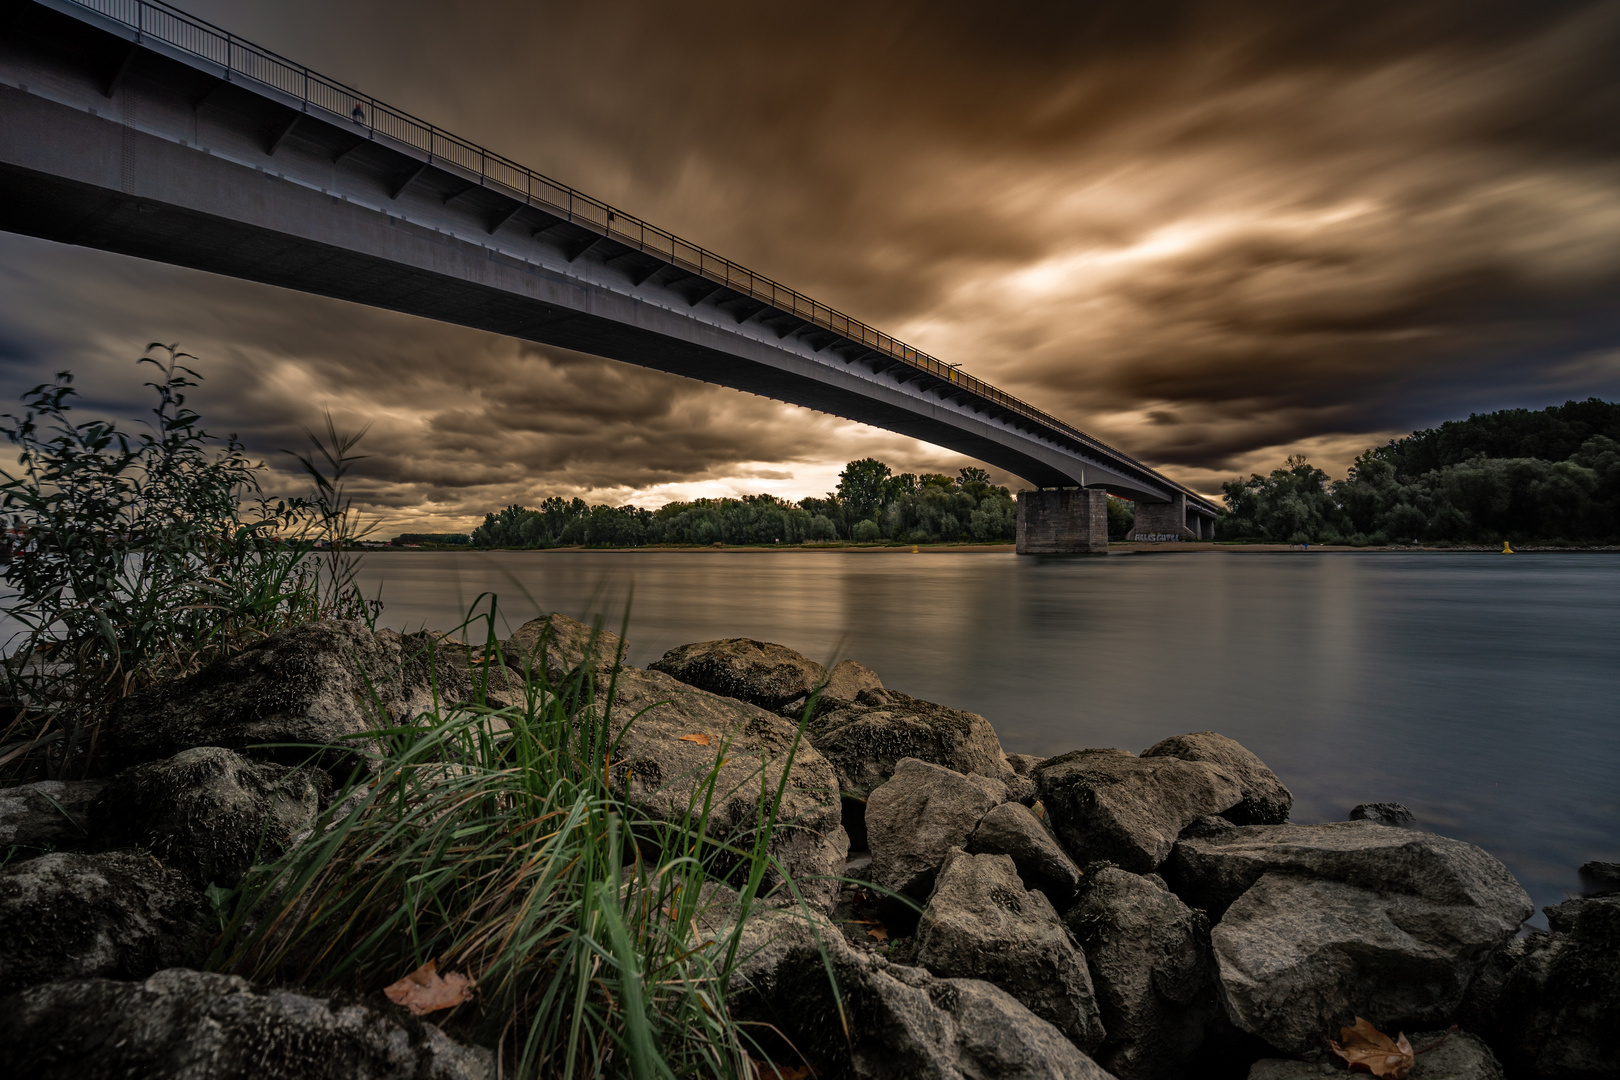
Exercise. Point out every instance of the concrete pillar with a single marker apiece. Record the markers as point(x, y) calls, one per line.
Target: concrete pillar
point(1063, 521)
point(1162, 521)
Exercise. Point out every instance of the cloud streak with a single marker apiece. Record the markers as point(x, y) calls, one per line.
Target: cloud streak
point(1212, 234)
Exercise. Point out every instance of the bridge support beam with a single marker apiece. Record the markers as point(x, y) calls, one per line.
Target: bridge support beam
point(1063, 521)
point(1167, 521)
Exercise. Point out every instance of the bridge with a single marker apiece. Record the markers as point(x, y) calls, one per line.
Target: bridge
point(130, 126)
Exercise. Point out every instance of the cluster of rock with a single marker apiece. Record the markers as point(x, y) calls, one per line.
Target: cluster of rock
point(1093, 914)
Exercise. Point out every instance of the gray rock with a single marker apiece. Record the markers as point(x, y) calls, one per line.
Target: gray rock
point(1151, 965)
point(1020, 789)
point(1013, 829)
point(1265, 800)
point(841, 688)
point(1211, 872)
point(317, 685)
point(1024, 764)
point(1558, 1016)
point(1384, 813)
point(981, 923)
point(666, 775)
point(1454, 1055)
point(114, 913)
point(192, 1024)
point(757, 672)
point(1301, 957)
point(209, 812)
point(51, 815)
point(1561, 918)
point(1441, 1055)
point(847, 681)
point(914, 820)
point(1114, 806)
point(557, 645)
point(1208, 825)
point(1603, 871)
point(867, 740)
point(902, 1021)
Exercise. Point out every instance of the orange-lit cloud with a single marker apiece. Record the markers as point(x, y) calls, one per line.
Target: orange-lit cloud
point(1211, 234)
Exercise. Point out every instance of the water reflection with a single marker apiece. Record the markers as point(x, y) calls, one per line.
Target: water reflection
point(1478, 690)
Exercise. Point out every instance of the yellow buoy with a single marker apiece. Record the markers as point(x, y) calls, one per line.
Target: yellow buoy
point(1506, 550)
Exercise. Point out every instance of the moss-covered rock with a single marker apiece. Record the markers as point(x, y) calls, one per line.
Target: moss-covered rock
point(118, 914)
point(180, 1023)
point(210, 812)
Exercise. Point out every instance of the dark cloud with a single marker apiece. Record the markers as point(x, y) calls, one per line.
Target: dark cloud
point(1213, 234)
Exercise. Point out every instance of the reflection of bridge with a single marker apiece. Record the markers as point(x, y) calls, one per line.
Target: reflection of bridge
point(132, 127)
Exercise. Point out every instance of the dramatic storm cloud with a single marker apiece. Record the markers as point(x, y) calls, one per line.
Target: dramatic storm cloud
point(1212, 234)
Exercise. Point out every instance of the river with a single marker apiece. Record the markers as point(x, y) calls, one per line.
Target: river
point(1482, 691)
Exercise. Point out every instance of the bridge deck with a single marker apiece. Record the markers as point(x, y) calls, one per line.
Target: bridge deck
point(187, 107)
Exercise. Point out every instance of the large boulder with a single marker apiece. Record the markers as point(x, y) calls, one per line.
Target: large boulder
point(671, 738)
point(51, 815)
point(117, 914)
point(1114, 806)
point(1558, 1013)
point(323, 684)
point(1300, 957)
point(1441, 1055)
point(210, 812)
point(557, 645)
point(889, 1020)
point(1265, 800)
point(757, 672)
point(180, 1023)
point(981, 923)
point(1012, 829)
point(866, 740)
point(844, 684)
point(916, 819)
point(1211, 872)
point(1151, 965)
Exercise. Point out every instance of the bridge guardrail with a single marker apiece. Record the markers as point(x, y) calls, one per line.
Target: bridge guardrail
point(162, 21)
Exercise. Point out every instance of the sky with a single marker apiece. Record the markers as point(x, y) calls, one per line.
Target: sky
point(1211, 234)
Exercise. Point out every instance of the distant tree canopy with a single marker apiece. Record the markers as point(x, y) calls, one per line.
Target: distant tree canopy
point(454, 539)
point(871, 504)
point(1515, 474)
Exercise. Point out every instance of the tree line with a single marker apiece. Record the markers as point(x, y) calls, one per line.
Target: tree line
point(1513, 474)
point(872, 504)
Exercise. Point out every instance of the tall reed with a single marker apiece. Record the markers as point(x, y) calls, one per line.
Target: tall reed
point(490, 840)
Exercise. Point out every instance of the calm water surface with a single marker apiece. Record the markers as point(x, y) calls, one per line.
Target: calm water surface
point(1481, 691)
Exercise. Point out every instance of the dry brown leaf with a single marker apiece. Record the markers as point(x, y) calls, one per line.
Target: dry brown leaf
point(1369, 1050)
point(700, 738)
point(764, 1070)
point(425, 990)
point(878, 932)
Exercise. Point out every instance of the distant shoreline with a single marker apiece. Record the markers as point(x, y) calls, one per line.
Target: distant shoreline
point(1117, 548)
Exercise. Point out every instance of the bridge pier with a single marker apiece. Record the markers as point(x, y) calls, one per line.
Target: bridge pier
point(1170, 521)
point(1063, 521)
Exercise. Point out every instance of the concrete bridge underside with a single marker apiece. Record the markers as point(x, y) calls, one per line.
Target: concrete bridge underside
point(118, 138)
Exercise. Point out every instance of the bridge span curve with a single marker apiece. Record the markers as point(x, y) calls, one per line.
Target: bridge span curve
point(130, 126)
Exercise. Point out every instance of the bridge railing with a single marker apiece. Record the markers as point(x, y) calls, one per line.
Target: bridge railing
point(159, 20)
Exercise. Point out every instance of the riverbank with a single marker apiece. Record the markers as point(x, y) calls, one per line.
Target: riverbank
point(1095, 914)
point(1114, 548)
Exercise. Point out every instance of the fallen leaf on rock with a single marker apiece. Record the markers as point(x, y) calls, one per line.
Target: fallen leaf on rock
point(700, 738)
point(425, 990)
point(1369, 1050)
point(878, 932)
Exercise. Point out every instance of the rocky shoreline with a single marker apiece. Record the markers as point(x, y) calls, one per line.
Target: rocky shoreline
point(1147, 916)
